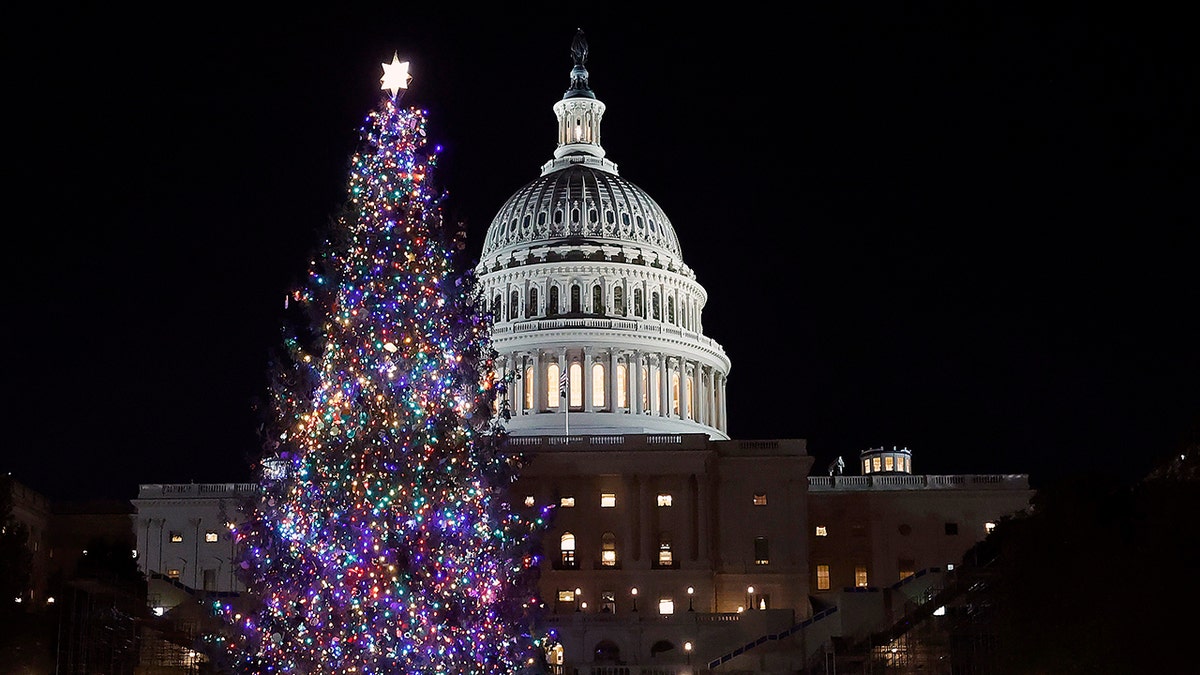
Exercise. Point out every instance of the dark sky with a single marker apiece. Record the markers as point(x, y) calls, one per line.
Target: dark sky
point(965, 228)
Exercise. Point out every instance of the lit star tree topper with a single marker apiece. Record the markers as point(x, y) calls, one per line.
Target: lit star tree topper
point(383, 540)
point(395, 75)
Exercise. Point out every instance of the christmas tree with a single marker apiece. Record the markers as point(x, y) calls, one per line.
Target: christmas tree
point(382, 541)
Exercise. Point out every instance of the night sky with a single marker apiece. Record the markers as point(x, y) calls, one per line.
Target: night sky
point(964, 228)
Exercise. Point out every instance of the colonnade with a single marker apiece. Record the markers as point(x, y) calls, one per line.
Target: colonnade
point(638, 382)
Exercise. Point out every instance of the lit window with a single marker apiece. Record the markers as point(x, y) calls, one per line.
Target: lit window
point(566, 547)
point(597, 385)
point(822, 577)
point(760, 499)
point(608, 602)
point(822, 531)
point(566, 595)
point(666, 606)
point(762, 555)
point(949, 567)
point(552, 386)
point(567, 502)
point(173, 573)
point(860, 576)
point(576, 383)
point(528, 388)
point(889, 463)
point(664, 500)
point(901, 464)
point(665, 557)
point(989, 526)
point(176, 537)
point(608, 500)
point(608, 549)
point(875, 463)
point(210, 536)
point(866, 466)
point(907, 568)
point(528, 500)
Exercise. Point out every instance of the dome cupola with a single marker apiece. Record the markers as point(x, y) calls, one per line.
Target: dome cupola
point(596, 318)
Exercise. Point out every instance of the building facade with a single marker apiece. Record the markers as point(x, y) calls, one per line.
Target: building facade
point(672, 547)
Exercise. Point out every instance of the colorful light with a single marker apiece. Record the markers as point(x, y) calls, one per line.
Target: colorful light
point(383, 541)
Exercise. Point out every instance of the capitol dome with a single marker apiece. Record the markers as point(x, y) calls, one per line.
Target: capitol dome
point(596, 318)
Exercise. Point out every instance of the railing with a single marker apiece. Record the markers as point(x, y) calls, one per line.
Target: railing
point(772, 636)
point(696, 441)
point(581, 669)
point(195, 489)
point(918, 482)
point(650, 326)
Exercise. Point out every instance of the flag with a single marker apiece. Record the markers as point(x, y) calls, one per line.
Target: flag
point(562, 384)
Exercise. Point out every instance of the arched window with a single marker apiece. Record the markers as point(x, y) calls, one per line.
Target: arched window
point(654, 313)
point(531, 307)
point(576, 299)
point(566, 549)
point(552, 310)
point(597, 299)
point(552, 373)
point(576, 384)
point(671, 309)
point(619, 301)
point(622, 385)
point(688, 397)
point(639, 309)
point(528, 387)
point(655, 390)
point(514, 306)
point(660, 647)
point(608, 549)
point(674, 393)
point(606, 651)
point(597, 385)
point(496, 307)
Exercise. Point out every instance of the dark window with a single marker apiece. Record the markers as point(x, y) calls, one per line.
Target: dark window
point(762, 551)
point(951, 528)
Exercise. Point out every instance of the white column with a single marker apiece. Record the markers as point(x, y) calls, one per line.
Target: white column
point(587, 379)
point(635, 374)
point(612, 380)
point(664, 386)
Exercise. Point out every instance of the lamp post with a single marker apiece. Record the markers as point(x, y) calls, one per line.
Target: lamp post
point(633, 592)
point(691, 591)
point(578, 592)
point(749, 597)
point(687, 648)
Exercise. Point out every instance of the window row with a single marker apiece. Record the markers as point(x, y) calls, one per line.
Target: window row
point(656, 308)
point(569, 386)
point(823, 576)
point(608, 500)
point(210, 536)
point(951, 529)
point(665, 555)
